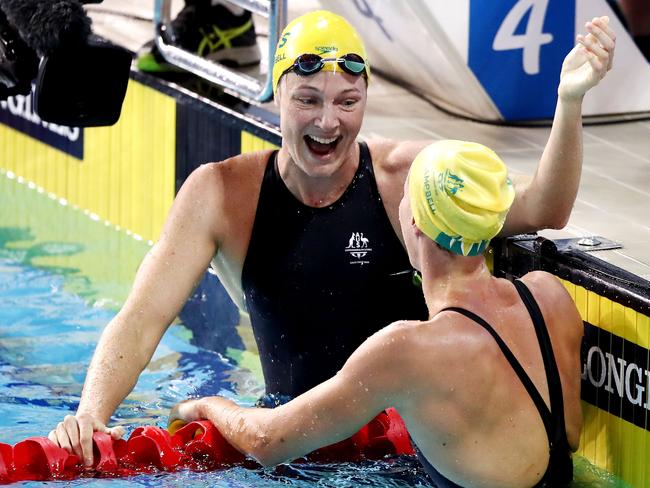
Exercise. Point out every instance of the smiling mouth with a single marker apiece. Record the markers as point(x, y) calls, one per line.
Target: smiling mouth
point(321, 145)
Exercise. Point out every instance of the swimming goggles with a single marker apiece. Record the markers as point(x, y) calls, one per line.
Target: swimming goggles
point(309, 64)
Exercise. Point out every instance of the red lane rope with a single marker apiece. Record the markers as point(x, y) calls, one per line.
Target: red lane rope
point(196, 446)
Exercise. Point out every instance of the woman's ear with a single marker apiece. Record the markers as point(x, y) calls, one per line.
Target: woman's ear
point(416, 229)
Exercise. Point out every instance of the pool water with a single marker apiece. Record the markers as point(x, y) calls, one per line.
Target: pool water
point(63, 275)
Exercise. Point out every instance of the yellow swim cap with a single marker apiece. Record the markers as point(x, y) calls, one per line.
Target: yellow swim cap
point(460, 194)
point(320, 32)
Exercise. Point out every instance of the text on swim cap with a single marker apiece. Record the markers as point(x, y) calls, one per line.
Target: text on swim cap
point(284, 39)
point(450, 183)
point(427, 191)
point(326, 49)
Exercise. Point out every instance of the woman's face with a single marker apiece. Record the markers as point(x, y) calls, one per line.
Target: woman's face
point(320, 118)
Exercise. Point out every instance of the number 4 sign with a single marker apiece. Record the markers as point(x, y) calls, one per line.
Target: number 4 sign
point(516, 49)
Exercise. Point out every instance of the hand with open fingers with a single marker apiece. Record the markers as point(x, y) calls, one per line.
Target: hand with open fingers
point(589, 61)
point(75, 435)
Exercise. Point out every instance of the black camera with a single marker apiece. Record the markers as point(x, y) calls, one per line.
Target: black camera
point(80, 78)
point(18, 62)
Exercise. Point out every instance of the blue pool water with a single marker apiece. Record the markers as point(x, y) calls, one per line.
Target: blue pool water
point(63, 275)
point(47, 337)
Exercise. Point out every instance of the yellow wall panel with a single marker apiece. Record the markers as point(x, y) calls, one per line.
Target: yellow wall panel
point(593, 309)
point(602, 439)
point(251, 143)
point(640, 324)
point(581, 301)
point(619, 327)
point(570, 288)
point(588, 444)
point(608, 441)
point(604, 319)
point(634, 467)
point(127, 174)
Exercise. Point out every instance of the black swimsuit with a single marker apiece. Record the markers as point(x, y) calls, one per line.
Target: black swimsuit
point(320, 281)
point(560, 467)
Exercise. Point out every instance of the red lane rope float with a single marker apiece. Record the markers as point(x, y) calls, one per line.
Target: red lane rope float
point(196, 446)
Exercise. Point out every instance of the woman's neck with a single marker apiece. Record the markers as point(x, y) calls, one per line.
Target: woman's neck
point(318, 190)
point(452, 280)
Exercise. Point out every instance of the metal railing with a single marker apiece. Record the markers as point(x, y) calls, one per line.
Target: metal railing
point(240, 83)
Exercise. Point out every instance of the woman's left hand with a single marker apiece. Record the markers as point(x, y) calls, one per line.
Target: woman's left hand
point(184, 412)
point(589, 61)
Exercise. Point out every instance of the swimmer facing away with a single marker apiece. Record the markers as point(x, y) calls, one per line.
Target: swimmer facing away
point(488, 385)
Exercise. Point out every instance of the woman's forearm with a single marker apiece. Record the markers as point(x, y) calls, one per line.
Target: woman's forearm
point(249, 430)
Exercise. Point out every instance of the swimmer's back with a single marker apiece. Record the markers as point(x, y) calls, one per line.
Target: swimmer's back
point(482, 423)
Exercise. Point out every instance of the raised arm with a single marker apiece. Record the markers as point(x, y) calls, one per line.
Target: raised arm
point(371, 380)
point(166, 277)
point(546, 200)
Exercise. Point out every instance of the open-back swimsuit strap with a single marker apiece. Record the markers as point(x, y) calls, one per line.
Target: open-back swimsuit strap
point(553, 422)
point(552, 374)
point(560, 468)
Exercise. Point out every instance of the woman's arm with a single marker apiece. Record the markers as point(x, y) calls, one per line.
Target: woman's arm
point(369, 382)
point(546, 199)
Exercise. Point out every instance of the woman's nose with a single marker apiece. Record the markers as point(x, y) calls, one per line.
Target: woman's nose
point(328, 117)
